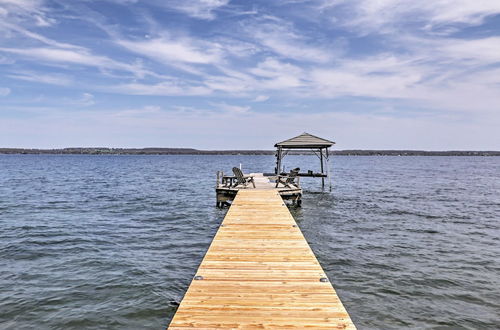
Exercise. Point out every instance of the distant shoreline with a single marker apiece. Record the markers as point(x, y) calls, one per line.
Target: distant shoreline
point(190, 151)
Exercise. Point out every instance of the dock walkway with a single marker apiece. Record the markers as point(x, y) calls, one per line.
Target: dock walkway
point(259, 272)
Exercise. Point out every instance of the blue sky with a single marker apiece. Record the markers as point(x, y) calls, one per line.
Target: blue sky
point(226, 74)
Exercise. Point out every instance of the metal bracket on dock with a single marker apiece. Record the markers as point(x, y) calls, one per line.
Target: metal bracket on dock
point(198, 277)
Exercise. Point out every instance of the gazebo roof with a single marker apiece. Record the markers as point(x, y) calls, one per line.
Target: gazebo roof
point(305, 141)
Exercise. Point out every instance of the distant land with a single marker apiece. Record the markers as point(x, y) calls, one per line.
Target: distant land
point(190, 151)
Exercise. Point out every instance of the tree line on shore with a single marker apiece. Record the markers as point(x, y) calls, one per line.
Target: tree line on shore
point(190, 151)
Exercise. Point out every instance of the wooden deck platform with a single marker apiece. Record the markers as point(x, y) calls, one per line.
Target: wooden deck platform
point(226, 194)
point(259, 272)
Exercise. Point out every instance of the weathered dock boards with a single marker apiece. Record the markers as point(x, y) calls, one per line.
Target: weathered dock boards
point(259, 272)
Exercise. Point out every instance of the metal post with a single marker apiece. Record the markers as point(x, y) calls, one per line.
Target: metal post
point(216, 191)
point(328, 169)
point(321, 160)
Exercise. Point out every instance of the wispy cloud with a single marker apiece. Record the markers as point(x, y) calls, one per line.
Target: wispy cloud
point(85, 100)
point(279, 36)
point(18, 28)
point(79, 57)
point(23, 9)
point(4, 91)
point(278, 75)
point(202, 9)
point(165, 50)
point(45, 78)
point(140, 112)
point(261, 98)
point(481, 51)
point(230, 108)
point(166, 88)
point(373, 16)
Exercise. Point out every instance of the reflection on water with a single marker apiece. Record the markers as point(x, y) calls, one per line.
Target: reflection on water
point(113, 241)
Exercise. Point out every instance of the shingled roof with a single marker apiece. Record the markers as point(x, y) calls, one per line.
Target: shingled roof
point(305, 140)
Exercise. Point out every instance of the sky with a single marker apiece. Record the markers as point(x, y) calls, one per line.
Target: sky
point(241, 74)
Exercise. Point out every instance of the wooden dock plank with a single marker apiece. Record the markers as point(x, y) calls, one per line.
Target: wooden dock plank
point(259, 272)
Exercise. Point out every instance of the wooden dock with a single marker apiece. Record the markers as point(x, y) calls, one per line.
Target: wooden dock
point(259, 272)
point(226, 193)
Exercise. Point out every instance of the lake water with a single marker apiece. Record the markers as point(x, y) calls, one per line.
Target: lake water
point(112, 242)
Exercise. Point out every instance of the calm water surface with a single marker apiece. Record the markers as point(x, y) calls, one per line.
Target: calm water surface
point(112, 242)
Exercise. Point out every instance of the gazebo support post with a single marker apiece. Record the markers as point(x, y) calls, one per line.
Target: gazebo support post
point(328, 169)
point(322, 170)
point(278, 161)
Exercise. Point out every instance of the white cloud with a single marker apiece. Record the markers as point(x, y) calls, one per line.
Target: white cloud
point(81, 57)
point(460, 11)
point(44, 21)
point(141, 112)
point(86, 99)
point(272, 68)
point(261, 98)
point(437, 81)
point(233, 82)
point(384, 15)
point(237, 47)
point(25, 12)
point(230, 108)
point(334, 83)
point(202, 9)
point(281, 39)
point(18, 7)
point(35, 36)
point(165, 50)
point(4, 91)
point(52, 79)
point(269, 74)
point(166, 88)
point(277, 75)
point(480, 51)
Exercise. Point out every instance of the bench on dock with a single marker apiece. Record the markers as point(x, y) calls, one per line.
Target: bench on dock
point(289, 179)
point(242, 179)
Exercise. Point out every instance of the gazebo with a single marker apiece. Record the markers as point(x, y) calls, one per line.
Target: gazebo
point(309, 142)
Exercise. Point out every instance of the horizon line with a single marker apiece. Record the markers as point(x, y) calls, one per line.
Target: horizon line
point(2, 149)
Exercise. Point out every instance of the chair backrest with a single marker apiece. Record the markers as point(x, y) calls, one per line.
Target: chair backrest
point(239, 175)
point(292, 175)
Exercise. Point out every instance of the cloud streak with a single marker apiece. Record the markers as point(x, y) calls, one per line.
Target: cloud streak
point(81, 56)
point(373, 15)
point(202, 9)
point(166, 50)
